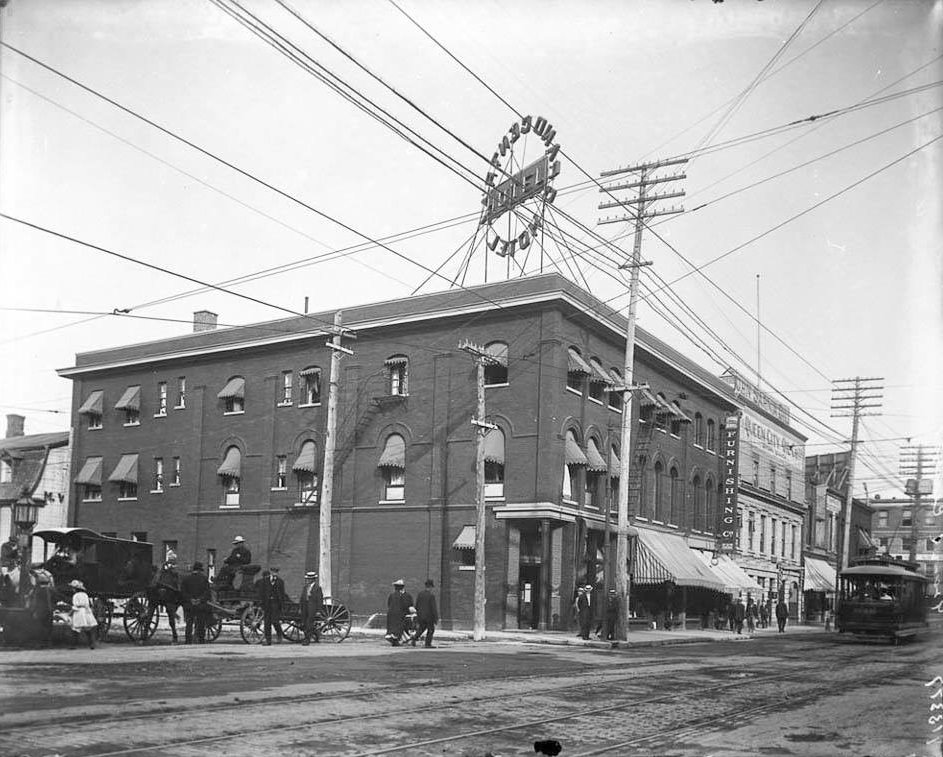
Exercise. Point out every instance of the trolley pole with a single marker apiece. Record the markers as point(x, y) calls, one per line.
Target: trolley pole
point(325, 577)
point(639, 215)
point(920, 461)
point(482, 427)
point(850, 397)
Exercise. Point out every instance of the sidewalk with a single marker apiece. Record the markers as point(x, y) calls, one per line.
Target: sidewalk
point(636, 638)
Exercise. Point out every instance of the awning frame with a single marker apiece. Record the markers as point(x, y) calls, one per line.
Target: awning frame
point(94, 404)
point(466, 538)
point(126, 471)
point(130, 400)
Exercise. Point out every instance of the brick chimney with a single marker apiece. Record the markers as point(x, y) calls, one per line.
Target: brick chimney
point(14, 425)
point(204, 320)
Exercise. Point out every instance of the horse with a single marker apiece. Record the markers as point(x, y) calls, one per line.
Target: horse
point(164, 592)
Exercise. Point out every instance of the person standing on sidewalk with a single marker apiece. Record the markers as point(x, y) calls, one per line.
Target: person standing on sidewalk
point(312, 606)
point(270, 590)
point(396, 608)
point(612, 614)
point(739, 613)
point(427, 614)
point(752, 615)
point(83, 619)
point(584, 612)
point(195, 592)
point(782, 612)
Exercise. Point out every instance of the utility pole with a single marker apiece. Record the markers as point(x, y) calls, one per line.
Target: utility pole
point(850, 397)
point(327, 477)
point(482, 427)
point(920, 461)
point(641, 213)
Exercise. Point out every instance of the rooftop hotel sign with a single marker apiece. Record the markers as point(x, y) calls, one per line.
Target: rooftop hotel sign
point(728, 525)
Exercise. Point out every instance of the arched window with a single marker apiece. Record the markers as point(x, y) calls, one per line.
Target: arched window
point(657, 485)
point(494, 463)
point(698, 495)
point(593, 478)
point(393, 465)
point(496, 369)
point(711, 435)
point(573, 460)
point(710, 504)
point(306, 471)
point(230, 472)
point(643, 503)
point(398, 367)
point(674, 509)
point(233, 395)
point(699, 429)
point(599, 381)
point(615, 473)
point(310, 385)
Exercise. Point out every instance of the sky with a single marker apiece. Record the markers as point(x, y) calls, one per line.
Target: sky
point(839, 217)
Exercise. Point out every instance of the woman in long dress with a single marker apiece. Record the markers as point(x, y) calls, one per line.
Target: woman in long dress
point(83, 619)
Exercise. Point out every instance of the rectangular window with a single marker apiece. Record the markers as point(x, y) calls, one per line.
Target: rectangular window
point(307, 488)
point(395, 484)
point(139, 536)
point(398, 379)
point(795, 543)
point(596, 391)
point(161, 399)
point(169, 550)
point(883, 541)
point(127, 490)
point(175, 477)
point(772, 480)
point(762, 533)
point(211, 563)
point(231, 491)
point(782, 540)
point(591, 489)
point(92, 493)
point(772, 536)
point(756, 473)
point(751, 532)
point(906, 518)
point(287, 384)
point(789, 485)
point(882, 518)
point(6, 472)
point(281, 472)
point(158, 485)
point(181, 393)
point(907, 545)
point(711, 436)
point(94, 421)
point(494, 479)
point(235, 405)
point(132, 417)
point(311, 386)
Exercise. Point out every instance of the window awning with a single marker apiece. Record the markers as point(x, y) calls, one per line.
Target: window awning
point(595, 463)
point(394, 453)
point(309, 371)
point(576, 364)
point(819, 575)
point(236, 388)
point(126, 470)
point(666, 557)
point(91, 473)
point(615, 465)
point(646, 398)
point(735, 580)
point(396, 360)
point(599, 376)
point(678, 413)
point(94, 403)
point(305, 462)
point(130, 400)
point(498, 351)
point(865, 539)
point(494, 446)
point(232, 464)
point(466, 539)
point(572, 454)
point(663, 407)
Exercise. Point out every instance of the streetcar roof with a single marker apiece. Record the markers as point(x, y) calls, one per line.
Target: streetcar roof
point(882, 570)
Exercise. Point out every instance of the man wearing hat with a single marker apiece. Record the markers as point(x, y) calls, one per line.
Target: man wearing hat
point(583, 610)
point(239, 556)
point(312, 605)
point(427, 614)
point(270, 589)
point(167, 589)
point(397, 605)
point(195, 592)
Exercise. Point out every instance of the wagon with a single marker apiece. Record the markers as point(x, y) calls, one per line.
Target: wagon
point(333, 623)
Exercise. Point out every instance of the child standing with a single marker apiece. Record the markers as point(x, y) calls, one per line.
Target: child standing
point(83, 619)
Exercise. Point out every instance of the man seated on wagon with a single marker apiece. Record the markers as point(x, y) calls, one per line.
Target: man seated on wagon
point(239, 557)
point(9, 555)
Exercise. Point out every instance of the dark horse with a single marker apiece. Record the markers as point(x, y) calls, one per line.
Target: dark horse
point(164, 591)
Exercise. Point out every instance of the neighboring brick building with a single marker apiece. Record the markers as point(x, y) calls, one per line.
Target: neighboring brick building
point(189, 441)
point(896, 522)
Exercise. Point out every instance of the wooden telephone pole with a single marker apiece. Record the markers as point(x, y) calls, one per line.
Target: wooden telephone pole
point(642, 212)
point(919, 461)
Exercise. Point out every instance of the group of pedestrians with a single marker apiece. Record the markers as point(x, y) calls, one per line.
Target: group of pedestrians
point(593, 614)
point(752, 614)
point(406, 623)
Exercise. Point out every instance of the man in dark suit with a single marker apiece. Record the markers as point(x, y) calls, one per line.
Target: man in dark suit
point(397, 606)
point(583, 611)
point(270, 590)
point(195, 592)
point(238, 557)
point(312, 605)
point(427, 614)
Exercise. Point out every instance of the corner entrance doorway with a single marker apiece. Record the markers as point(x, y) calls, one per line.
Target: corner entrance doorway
point(529, 601)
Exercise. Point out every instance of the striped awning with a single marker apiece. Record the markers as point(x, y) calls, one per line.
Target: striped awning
point(305, 462)
point(615, 465)
point(819, 575)
point(599, 375)
point(594, 463)
point(94, 403)
point(679, 413)
point(130, 400)
point(735, 580)
point(394, 453)
point(498, 352)
point(91, 472)
point(664, 557)
point(466, 539)
point(572, 454)
point(396, 360)
point(232, 464)
point(663, 407)
point(126, 470)
point(309, 371)
point(494, 446)
point(235, 388)
point(646, 398)
point(576, 364)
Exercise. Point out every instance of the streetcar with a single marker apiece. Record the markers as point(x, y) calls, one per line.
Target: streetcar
point(880, 597)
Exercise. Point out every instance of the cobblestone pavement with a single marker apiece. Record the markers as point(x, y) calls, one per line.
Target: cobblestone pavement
point(803, 696)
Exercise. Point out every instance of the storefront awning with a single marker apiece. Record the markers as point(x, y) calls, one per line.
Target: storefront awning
point(572, 454)
point(91, 473)
point(734, 578)
point(494, 446)
point(594, 461)
point(94, 403)
point(126, 470)
point(232, 464)
point(466, 539)
point(130, 400)
point(394, 453)
point(664, 557)
point(235, 388)
point(305, 462)
point(615, 465)
point(819, 575)
point(576, 364)
point(599, 376)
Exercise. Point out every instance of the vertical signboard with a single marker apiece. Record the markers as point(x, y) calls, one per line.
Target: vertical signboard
point(728, 525)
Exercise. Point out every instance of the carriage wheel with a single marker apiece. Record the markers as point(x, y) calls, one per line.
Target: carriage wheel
point(103, 612)
point(141, 617)
point(251, 625)
point(214, 626)
point(292, 630)
point(336, 623)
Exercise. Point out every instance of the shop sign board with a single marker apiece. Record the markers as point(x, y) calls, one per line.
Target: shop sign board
point(728, 526)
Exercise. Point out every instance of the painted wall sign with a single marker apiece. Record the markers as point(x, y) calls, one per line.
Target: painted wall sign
point(751, 393)
point(759, 435)
point(728, 526)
